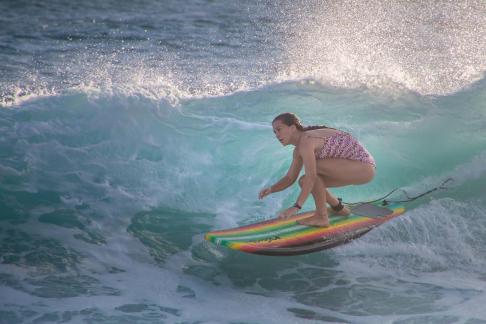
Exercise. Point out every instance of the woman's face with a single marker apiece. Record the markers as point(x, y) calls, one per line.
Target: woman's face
point(282, 132)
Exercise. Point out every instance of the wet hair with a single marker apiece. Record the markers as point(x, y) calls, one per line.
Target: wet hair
point(290, 119)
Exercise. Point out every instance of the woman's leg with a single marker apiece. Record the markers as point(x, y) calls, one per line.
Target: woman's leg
point(343, 172)
point(334, 202)
point(335, 173)
point(320, 217)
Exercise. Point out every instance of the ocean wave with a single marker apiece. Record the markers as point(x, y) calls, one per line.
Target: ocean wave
point(432, 49)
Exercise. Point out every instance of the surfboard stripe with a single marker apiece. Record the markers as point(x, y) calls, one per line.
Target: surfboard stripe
point(278, 233)
point(292, 229)
point(274, 226)
point(288, 227)
point(263, 226)
point(310, 235)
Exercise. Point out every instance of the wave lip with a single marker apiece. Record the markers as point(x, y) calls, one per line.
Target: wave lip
point(431, 49)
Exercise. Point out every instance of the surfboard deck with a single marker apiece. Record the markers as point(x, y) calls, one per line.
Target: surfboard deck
point(281, 237)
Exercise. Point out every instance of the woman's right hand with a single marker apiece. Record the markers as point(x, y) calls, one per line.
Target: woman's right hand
point(264, 192)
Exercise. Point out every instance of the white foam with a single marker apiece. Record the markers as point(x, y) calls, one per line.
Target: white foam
point(228, 122)
point(22, 94)
point(473, 170)
point(388, 46)
point(462, 174)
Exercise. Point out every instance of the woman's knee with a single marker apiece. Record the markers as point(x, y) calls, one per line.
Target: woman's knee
point(319, 181)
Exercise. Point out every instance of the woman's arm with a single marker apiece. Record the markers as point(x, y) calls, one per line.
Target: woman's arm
point(306, 151)
point(288, 179)
point(292, 174)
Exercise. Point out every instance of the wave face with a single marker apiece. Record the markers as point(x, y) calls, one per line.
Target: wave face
point(127, 131)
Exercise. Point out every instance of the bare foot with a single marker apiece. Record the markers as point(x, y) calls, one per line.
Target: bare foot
point(343, 212)
point(315, 220)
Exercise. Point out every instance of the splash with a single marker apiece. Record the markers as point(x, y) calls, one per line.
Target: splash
point(432, 48)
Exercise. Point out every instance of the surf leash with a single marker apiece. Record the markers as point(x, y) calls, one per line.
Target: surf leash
point(385, 202)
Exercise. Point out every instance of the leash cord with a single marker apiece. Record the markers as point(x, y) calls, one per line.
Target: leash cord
point(386, 202)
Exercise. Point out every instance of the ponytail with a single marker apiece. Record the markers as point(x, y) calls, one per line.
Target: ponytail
point(290, 119)
point(306, 128)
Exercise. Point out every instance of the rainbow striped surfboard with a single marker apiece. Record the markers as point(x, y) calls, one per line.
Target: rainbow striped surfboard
point(287, 237)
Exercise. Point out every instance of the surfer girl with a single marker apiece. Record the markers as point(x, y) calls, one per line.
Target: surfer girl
point(330, 157)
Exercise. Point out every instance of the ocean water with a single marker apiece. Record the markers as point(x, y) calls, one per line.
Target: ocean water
point(128, 129)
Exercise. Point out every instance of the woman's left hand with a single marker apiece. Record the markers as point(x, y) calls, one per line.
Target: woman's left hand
point(288, 212)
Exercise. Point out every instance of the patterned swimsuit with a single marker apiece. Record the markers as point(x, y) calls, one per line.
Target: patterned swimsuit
point(341, 145)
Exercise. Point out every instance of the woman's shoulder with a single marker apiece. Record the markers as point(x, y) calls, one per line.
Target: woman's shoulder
point(320, 133)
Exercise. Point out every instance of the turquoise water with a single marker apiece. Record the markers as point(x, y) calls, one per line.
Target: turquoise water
point(128, 130)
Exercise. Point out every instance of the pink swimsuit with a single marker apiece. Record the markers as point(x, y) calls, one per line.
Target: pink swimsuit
point(341, 145)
